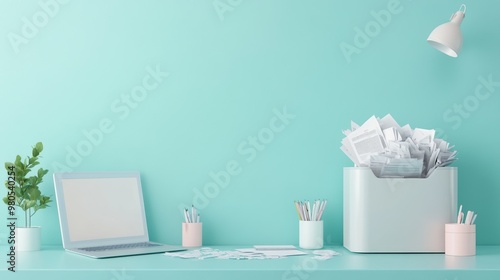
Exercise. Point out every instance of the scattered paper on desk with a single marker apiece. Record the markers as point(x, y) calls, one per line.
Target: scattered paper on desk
point(394, 151)
point(272, 253)
point(240, 254)
point(191, 254)
point(274, 247)
point(324, 254)
point(248, 254)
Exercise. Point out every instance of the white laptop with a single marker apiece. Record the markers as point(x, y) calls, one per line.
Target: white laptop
point(102, 214)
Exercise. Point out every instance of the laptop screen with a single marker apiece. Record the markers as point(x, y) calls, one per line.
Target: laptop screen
point(100, 208)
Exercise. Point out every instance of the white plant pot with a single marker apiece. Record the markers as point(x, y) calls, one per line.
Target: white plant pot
point(28, 239)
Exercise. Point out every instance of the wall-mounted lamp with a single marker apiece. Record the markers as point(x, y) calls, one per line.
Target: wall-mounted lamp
point(447, 37)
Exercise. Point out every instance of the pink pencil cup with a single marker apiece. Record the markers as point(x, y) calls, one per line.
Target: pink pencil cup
point(460, 240)
point(191, 234)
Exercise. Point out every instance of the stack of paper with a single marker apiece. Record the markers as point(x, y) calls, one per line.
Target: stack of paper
point(394, 151)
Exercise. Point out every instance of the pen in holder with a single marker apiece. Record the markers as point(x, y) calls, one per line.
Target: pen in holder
point(191, 229)
point(310, 224)
point(460, 238)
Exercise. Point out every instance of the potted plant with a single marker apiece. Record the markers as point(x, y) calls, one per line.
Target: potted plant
point(23, 192)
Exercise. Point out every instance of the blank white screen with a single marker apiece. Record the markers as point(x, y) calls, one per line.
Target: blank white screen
point(103, 208)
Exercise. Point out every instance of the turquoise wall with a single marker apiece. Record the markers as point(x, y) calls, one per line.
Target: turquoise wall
point(254, 93)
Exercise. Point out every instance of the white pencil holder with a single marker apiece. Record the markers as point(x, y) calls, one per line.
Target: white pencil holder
point(311, 234)
point(191, 234)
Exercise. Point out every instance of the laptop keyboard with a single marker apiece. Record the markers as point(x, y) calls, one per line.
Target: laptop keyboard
point(120, 246)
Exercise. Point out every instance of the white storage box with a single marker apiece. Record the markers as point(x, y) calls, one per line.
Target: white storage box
point(395, 215)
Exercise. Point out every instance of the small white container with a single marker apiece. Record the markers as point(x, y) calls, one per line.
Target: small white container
point(191, 234)
point(28, 239)
point(311, 234)
point(460, 240)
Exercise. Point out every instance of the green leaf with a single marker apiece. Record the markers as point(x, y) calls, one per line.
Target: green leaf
point(26, 171)
point(8, 166)
point(18, 192)
point(32, 180)
point(37, 149)
point(34, 193)
point(40, 173)
point(31, 160)
point(17, 170)
point(31, 203)
point(44, 200)
point(18, 163)
point(6, 200)
point(26, 196)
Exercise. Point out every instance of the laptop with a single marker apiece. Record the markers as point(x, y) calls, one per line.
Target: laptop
point(102, 215)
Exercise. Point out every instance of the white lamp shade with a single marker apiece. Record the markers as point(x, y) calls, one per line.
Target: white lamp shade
point(447, 37)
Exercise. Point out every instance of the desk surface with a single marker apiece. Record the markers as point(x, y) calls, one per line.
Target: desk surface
point(55, 263)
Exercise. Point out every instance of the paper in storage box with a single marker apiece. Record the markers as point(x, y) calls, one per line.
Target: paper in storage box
point(391, 215)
